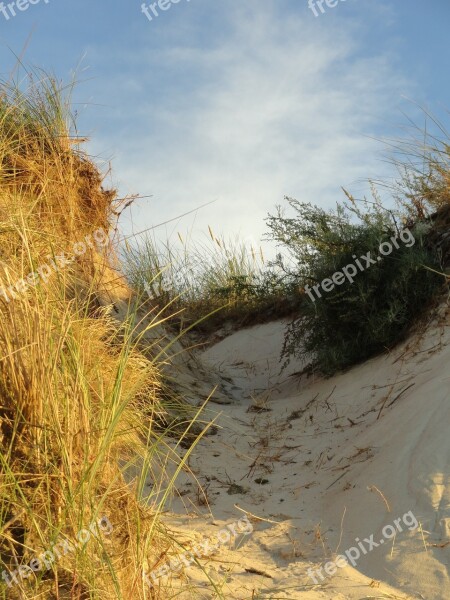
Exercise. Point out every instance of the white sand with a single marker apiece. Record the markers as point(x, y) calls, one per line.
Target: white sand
point(337, 472)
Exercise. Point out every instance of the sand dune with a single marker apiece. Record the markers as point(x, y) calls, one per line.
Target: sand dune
point(318, 463)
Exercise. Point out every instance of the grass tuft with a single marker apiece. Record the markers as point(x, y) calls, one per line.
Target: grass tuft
point(79, 392)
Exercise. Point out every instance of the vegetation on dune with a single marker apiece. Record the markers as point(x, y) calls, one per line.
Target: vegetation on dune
point(369, 312)
point(78, 396)
point(222, 283)
point(358, 319)
point(81, 385)
point(207, 285)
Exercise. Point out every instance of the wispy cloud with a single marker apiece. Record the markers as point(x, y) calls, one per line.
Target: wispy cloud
point(276, 104)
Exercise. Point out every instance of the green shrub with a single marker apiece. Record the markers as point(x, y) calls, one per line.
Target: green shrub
point(355, 320)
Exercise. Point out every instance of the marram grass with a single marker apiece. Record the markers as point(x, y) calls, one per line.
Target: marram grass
point(77, 395)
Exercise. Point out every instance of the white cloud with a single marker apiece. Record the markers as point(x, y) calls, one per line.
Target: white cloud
point(282, 105)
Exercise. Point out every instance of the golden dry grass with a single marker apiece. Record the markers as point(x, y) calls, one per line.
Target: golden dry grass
point(76, 394)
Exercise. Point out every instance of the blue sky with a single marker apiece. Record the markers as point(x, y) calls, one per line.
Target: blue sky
point(239, 102)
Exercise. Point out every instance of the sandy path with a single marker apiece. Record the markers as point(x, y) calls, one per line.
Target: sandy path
point(320, 465)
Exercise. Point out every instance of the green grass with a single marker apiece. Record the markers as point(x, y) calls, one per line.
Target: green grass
point(206, 285)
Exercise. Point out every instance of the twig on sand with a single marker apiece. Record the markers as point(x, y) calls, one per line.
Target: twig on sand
point(423, 537)
point(254, 517)
point(396, 398)
point(372, 488)
point(443, 545)
point(380, 387)
point(297, 414)
point(342, 530)
point(340, 477)
point(257, 572)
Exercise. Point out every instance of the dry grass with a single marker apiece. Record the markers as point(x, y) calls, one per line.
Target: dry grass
point(208, 284)
point(76, 392)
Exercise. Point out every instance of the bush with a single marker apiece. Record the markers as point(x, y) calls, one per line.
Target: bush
point(353, 321)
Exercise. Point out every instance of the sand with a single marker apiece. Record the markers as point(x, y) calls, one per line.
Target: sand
point(317, 463)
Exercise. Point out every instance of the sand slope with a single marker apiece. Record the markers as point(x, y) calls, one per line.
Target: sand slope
point(322, 462)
